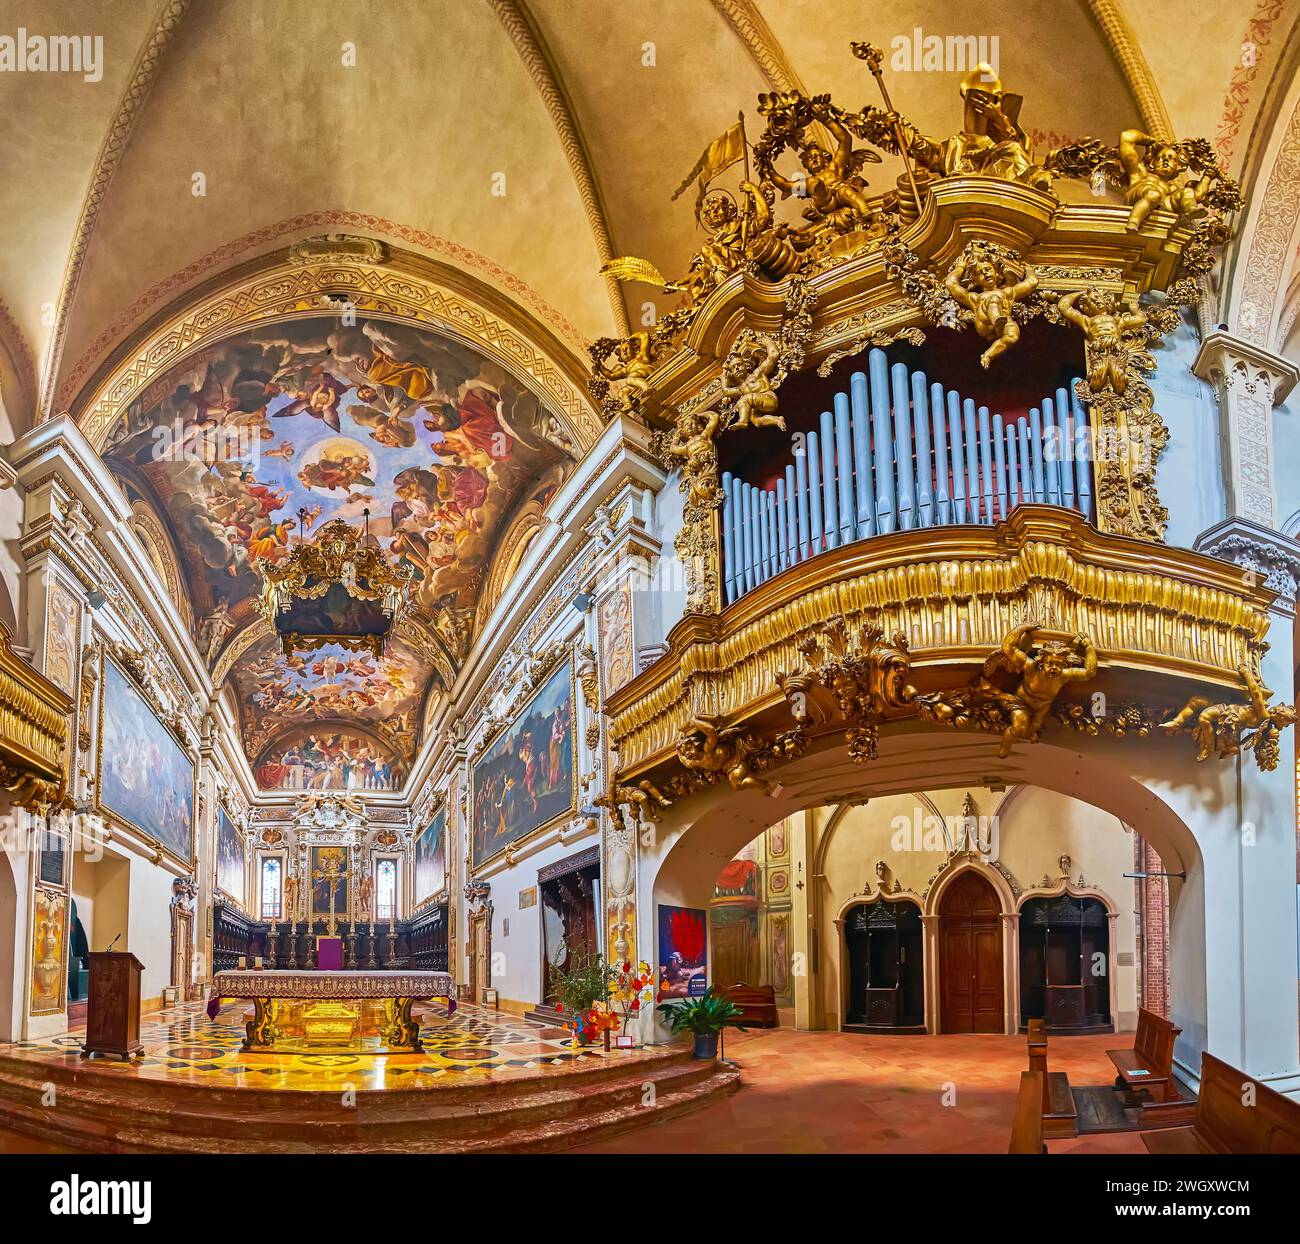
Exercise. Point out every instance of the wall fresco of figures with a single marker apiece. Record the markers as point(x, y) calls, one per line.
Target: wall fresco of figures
point(526, 778)
point(230, 858)
point(146, 778)
point(331, 420)
point(329, 760)
point(62, 636)
point(431, 858)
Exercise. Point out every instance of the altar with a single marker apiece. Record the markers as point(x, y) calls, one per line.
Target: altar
point(322, 1011)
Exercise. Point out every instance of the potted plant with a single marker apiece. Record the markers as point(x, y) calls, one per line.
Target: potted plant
point(703, 1017)
point(578, 989)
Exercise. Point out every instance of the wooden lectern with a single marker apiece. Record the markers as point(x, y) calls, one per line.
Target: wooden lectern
point(113, 1013)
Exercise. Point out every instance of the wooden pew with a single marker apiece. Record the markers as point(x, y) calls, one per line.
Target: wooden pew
point(1225, 1124)
point(1060, 1118)
point(1027, 1127)
point(1146, 1073)
point(757, 1004)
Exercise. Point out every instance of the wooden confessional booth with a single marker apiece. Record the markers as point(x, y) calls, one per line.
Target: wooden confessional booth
point(885, 967)
point(1061, 938)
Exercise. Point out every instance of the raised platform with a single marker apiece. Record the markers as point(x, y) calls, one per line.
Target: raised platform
point(483, 1083)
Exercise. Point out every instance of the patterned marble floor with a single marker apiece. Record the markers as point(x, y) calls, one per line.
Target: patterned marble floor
point(836, 1092)
point(183, 1044)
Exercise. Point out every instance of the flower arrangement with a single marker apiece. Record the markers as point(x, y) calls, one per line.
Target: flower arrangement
point(582, 991)
point(629, 990)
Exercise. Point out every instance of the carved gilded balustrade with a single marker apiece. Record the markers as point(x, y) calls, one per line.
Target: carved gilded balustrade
point(1166, 622)
point(33, 732)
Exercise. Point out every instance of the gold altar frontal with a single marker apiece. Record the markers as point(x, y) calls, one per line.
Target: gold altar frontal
point(356, 1012)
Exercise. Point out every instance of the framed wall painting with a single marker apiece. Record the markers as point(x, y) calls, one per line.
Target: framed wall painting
point(526, 780)
point(683, 952)
point(146, 776)
point(323, 860)
point(431, 858)
point(230, 859)
point(52, 869)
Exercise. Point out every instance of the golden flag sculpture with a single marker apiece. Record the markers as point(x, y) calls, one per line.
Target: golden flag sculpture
point(724, 151)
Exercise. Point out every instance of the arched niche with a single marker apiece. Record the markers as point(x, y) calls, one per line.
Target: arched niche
point(882, 964)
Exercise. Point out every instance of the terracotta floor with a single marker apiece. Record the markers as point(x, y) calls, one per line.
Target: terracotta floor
point(832, 1092)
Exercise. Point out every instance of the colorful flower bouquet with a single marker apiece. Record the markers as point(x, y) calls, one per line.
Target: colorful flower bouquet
point(629, 991)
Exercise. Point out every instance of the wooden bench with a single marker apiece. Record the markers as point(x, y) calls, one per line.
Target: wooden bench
point(1060, 1118)
point(1224, 1123)
point(1146, 1072)
point(1027, 1127)
point(757, 1004)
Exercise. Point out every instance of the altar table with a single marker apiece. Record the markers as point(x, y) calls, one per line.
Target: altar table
point(270, 991)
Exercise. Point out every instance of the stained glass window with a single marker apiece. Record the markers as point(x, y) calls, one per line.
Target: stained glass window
point(272, 877)
point(386, 890)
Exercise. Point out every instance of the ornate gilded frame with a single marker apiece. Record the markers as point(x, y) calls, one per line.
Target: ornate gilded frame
point(511, 847)
point(109, 814)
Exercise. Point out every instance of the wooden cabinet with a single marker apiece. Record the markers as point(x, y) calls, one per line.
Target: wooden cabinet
point(1065, 963)
point(886, 989)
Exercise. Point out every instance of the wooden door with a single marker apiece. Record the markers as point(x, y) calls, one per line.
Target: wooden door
point(970, 957)
point(480, 977)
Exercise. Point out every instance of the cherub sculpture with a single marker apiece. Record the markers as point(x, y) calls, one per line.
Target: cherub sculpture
point(832, 184)
point(1104, 324)
point(634, 361)
point(1019, 714)
point(1154, 170)
point(747, 381)
point(1220, 727)
point(981, 282)
point(707, 748)
point(691, 443)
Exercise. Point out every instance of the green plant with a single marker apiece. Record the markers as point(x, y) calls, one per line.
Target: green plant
point(585, 983)
point(703, 1015)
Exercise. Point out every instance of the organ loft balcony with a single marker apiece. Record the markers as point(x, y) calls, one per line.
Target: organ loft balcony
point(913, 469)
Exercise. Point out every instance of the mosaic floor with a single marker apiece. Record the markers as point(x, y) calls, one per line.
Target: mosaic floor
point(183, 1044)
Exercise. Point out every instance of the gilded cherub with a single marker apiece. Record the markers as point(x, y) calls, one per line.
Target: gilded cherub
point(706, 748)
point(980, 282)
point(1154, 169)
point(691, 443)
point(1219, 727)
point(1104, 323)
point(635, 360)
point(837, 202)
point(747, 381)
point(1043, 674)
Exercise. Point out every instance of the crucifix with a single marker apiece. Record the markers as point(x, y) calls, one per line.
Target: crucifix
point(331, 873)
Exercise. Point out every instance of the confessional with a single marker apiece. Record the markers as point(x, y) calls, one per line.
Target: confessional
point(1061, 938)
point(886, 972)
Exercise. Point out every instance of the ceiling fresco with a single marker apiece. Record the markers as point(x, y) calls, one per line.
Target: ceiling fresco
point(278, 430)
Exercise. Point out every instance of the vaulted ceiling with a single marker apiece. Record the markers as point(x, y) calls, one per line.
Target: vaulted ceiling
point(521, 141)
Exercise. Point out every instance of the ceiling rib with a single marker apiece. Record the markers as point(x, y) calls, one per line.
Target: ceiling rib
point(532, 51)
point(143, 74)
point(754, 32)
point(1110, 21)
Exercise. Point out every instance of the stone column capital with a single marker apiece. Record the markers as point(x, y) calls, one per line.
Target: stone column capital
point(1242, 366)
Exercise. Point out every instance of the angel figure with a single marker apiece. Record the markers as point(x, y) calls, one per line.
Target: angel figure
point(1153, 170)
point(635, 360)
point(1104, 323)
point(1042, 676)
point(835, 190)
point(981, 284)
point(747, 381)
point(692, 444)
point(706, 748)
point(1219, 727)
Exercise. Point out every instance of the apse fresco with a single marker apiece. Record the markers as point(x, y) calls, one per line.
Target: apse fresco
point(329, 760)
point(331, 684)
point(321, 419)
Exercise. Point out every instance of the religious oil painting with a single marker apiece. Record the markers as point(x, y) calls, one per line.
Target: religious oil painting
point(683, 952)
point(526, 778)
point(146, 778)
point(230, 857)
point(329, 865)
point(431, 858)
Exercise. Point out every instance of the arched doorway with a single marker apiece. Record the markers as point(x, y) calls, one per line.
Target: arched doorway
point(11, 940)
point(970, 957)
